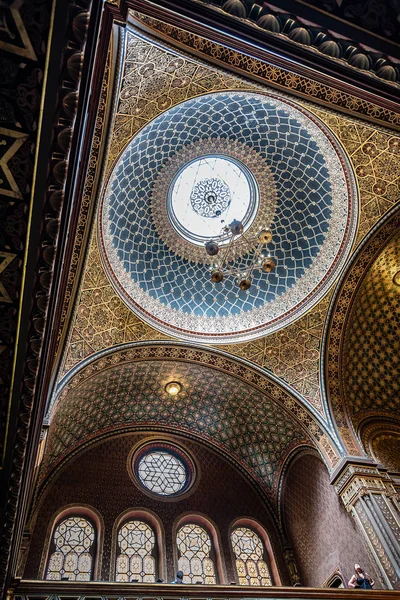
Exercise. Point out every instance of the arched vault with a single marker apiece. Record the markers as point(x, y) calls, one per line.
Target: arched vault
point(225, 401)
point(362, 367)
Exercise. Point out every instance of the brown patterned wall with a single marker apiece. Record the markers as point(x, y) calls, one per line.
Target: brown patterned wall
point(99, 478)
point(322, 533)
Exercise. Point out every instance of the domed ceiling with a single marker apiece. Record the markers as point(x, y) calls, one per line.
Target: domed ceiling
point(196, 167)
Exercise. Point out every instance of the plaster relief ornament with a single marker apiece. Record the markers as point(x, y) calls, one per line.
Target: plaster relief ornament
point(256, 159)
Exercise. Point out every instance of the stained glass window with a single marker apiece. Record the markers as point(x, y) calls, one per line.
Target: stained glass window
point(249, 553)
point(162, 472)
point(135, 561)
point(195, 549)
point(72, 558)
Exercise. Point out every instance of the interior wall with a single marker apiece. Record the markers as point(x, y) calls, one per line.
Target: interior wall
point(99, 478)
point(323, 535)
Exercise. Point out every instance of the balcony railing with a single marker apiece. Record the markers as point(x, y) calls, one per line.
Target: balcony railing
point(97, 590)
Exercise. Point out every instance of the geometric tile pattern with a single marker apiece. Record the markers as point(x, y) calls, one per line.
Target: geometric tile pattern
point(216, 406)
point(375, 156)
point(102, 319)
point(371, 350)
point(386, 448)
point(267, 72)
point(314, 222)
point(293, 353)
point(362, 344)
point(154, 80)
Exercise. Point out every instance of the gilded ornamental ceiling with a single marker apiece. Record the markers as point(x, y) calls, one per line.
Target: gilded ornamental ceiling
point(272, 165)
point(213, 405)
point(319, 179)
point(225, 402)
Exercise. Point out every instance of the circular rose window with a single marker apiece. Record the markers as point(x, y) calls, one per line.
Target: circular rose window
point(163, 470)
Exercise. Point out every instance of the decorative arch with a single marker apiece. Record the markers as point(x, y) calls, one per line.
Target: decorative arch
point(80, 539)
point(267, 555)
point(154, 522)
point(290, 459)
point(206, 524)
point(336, 328)
point(239, 372)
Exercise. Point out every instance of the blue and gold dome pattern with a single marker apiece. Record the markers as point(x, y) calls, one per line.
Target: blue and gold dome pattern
point(303, 188)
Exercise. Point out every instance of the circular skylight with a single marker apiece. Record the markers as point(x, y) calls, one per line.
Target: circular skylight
point(208, 193)
point(161, 472)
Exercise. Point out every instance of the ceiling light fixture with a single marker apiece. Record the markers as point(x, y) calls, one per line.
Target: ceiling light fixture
point(254, 245)
point(173, 388)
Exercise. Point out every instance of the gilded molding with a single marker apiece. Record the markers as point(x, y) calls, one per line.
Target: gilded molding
point(359, 480)
point(277, 23)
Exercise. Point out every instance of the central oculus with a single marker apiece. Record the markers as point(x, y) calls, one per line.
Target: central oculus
point(208, 193)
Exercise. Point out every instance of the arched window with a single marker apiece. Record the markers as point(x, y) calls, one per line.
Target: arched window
point(135, 556)
point(194, 554)
point(249, 554)
point(72, 556)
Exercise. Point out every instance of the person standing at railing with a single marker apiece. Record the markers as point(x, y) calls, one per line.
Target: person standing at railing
point(179, 577)
point(361, 579)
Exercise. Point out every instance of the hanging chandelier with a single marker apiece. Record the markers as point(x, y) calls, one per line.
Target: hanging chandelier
point(254, 245)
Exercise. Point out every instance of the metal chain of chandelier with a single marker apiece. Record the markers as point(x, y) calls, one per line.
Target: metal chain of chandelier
point(255, 245)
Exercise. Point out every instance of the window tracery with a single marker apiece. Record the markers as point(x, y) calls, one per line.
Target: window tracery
point(162, 473)
point(72, 558)
point(195, 551)
point(135, 560)
point(249, 557)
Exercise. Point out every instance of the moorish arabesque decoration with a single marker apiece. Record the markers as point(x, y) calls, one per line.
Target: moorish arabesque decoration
point(313, 223)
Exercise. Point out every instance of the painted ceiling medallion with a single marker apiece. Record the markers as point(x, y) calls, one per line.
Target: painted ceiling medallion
point(209, 160)
point(206, 185)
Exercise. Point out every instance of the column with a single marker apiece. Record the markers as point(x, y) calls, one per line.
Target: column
point(368, 494)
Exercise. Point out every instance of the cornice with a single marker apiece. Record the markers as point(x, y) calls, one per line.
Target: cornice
point(233, 35)
point(279, 25)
